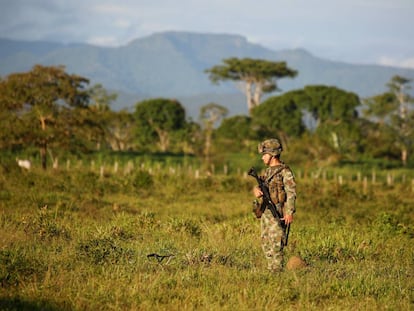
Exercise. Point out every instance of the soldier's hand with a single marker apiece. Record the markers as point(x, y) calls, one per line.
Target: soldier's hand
point(288, 219)
point(257, 192)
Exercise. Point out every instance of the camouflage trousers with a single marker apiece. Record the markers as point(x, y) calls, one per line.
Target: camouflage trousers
point(272, 237)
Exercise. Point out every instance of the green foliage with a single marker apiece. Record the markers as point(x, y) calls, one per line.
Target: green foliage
point(155, 120)
point(380, 106)
point(259, 76)
point(189, 226)
point(104, 251)
point(44, 108)
point(46, 226)
point(62, 119)
point(142, 180)
point(392, 113)
point(248, 69)
point(235, 133)
point(18, 265)
point(279, 117)
point(329, 104)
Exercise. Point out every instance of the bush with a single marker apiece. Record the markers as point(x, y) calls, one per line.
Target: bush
point(46, 226)
point(17, 266)
point(142, 180)
point(104, 251)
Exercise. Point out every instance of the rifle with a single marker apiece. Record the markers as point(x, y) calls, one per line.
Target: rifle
point(267, 202)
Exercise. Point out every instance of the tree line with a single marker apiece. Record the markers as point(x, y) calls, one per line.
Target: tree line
point(56, 112)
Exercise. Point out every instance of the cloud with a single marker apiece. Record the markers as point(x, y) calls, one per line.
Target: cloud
point(348, 30)
point(393, 62)
point(103, 41)
point(409, 63)
point(122, 23)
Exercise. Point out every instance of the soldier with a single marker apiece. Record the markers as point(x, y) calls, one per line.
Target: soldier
point(282, 188)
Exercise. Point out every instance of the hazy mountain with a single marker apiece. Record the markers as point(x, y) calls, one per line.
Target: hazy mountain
point(172, 64)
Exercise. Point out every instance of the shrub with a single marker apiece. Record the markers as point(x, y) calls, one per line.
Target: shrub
point(189, 226)
point(104, 251)
point(46, 226)
point(142, 180)
point(17, 266)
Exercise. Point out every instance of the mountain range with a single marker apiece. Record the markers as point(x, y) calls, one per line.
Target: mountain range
point(173, 64)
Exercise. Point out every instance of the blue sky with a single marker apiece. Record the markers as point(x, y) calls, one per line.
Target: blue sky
point(353, 31)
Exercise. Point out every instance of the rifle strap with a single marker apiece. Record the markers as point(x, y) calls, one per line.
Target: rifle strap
point(277, 171)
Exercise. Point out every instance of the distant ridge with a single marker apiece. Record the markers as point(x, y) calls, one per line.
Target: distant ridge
point(172, 64)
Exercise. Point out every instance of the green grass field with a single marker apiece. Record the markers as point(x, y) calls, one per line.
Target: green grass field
point(74, 240)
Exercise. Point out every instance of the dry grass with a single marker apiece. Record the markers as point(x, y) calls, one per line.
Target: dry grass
point(81, 242)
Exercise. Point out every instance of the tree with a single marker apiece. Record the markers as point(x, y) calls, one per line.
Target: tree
point(236, 133)
point(156, 119)
point(334, 116)
point(328, 111)
point(210, 115)
point(258, 76)
point(117, 127)
point(189, 139)
point(279, 116)
point(380, 107)
point(119, 130)
point(46, 105)
point(328, 104)
point(391, 110)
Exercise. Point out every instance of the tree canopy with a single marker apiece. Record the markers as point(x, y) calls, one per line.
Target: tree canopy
point(259, 76)
point(156, 119)
point(51, 110)
point(279, 116)
point(44, 106)
point(393, 113)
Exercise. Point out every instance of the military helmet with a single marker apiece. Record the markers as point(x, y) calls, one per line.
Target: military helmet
point(271, 146)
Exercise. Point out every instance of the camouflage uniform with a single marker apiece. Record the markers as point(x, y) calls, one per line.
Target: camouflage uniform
point(282, 189)
point(272, 231)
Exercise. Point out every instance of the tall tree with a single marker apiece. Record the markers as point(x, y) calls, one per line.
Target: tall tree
point(256, 75)
point(46, 104)
point(156, 119)
point(392, 109)
point(119, 130)
point(210, 115)
point(100, 105)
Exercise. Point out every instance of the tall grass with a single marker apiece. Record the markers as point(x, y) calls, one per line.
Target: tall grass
point(76, 240)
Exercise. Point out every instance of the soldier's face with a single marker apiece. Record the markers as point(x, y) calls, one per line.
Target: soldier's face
point(266, 158)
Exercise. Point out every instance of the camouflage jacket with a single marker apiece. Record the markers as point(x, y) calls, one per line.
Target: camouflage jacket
point(282, 186)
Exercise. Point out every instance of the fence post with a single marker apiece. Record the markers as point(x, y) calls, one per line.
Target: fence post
point(389, 179)
point(365, 185)
point(56, 163)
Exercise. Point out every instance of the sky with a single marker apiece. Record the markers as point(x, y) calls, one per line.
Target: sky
point(352, 31)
